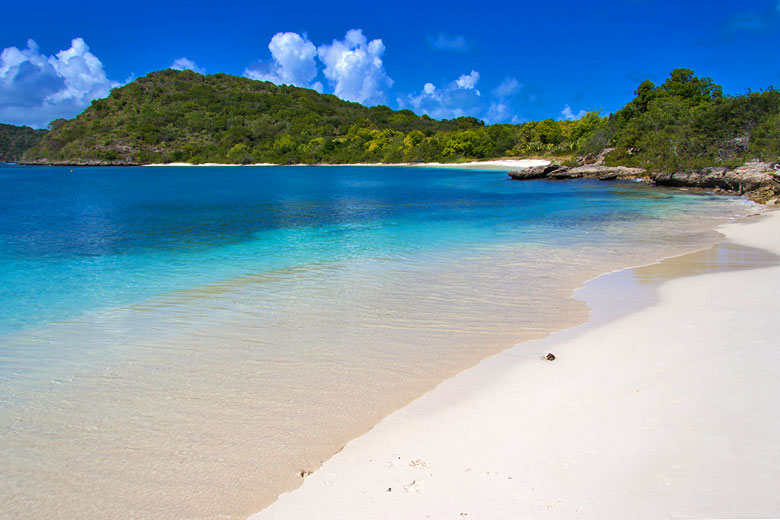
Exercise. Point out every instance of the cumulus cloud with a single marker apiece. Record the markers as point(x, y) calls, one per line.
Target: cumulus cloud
point(446, 42)
point(293, 62)
point(461, 97)
point(187, 64)
point(36, 89)
point(456, 99)
point(468, 81)
point(354, 68)
point(568, 113)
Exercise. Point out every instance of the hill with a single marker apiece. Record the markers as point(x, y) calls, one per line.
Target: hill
point(684, 124)
point(172, 116)
point(15, 140)
point(687, 124)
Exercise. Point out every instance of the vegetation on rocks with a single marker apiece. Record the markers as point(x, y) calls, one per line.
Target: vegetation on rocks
point(687, 124)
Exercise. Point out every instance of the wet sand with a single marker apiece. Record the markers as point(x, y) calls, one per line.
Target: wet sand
point(663, 405)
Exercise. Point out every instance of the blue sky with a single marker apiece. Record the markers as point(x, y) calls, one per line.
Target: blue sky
point(499, 61)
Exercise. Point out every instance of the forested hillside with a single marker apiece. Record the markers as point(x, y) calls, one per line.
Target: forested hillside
point(686, 123)
point(15, 140)
point(172, 116)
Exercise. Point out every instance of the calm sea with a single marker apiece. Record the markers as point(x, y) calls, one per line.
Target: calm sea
point(183, 342)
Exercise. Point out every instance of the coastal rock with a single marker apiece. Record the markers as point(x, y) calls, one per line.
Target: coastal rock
point(594, 159)
point(80, 162)
point(606, 173)
point(534, 172)
point(593, 171)
point(758, 181)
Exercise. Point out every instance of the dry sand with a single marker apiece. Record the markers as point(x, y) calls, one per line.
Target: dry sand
point(665, 405)
point(498, 164)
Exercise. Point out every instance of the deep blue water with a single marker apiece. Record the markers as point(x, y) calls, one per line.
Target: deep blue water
point(105, 237)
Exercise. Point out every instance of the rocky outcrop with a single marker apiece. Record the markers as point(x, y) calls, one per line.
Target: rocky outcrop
point(593, 171)
point(759, 181)
point(534, 172)
point(595, 159)
point(79, 162)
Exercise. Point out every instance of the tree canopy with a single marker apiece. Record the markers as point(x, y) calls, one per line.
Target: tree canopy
point(687, 123)
point(180, 116)
point(15, 140)
point(172, 116)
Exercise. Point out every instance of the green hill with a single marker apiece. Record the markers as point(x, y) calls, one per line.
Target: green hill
point(684, 124)
point(172, 116)
point(687, 124)
point(15, 140)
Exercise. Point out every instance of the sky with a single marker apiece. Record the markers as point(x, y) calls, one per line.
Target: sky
point(502, 62)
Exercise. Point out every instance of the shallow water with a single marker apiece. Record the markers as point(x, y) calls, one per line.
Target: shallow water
point(183, 342)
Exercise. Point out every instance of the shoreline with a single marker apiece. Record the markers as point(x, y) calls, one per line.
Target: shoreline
point(460, 307)
point(489, 164)
point(493, 441)
point(756, 180)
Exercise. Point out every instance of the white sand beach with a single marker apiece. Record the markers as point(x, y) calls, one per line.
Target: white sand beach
point(498, 164)
point(665, 411)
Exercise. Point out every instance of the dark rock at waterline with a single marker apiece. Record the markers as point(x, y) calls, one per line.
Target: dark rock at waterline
point(593, 171)
point(757, 180)
point(747, 178)
point(534, 172)
point(79, 162)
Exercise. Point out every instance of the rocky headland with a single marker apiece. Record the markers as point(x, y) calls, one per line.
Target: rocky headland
point(756, 180)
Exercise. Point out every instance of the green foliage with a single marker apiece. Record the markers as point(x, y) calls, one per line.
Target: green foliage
point(177, 116)
point(15, 140)
point(687, 123)
point(684, 123)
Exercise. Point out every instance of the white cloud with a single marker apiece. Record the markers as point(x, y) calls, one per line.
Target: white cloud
point(568, 113)
point(461, 97)
point(293, 62)
point(456, 99)
point(507, 88)
point(468, 81)
point(446, 42)
point(36, 89)
point(354, 67)
point(187, 64)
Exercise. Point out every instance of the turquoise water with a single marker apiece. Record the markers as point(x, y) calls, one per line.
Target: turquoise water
point(106, 237)
point(182, 342)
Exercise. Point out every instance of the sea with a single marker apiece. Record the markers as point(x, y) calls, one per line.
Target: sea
point(189, 342)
